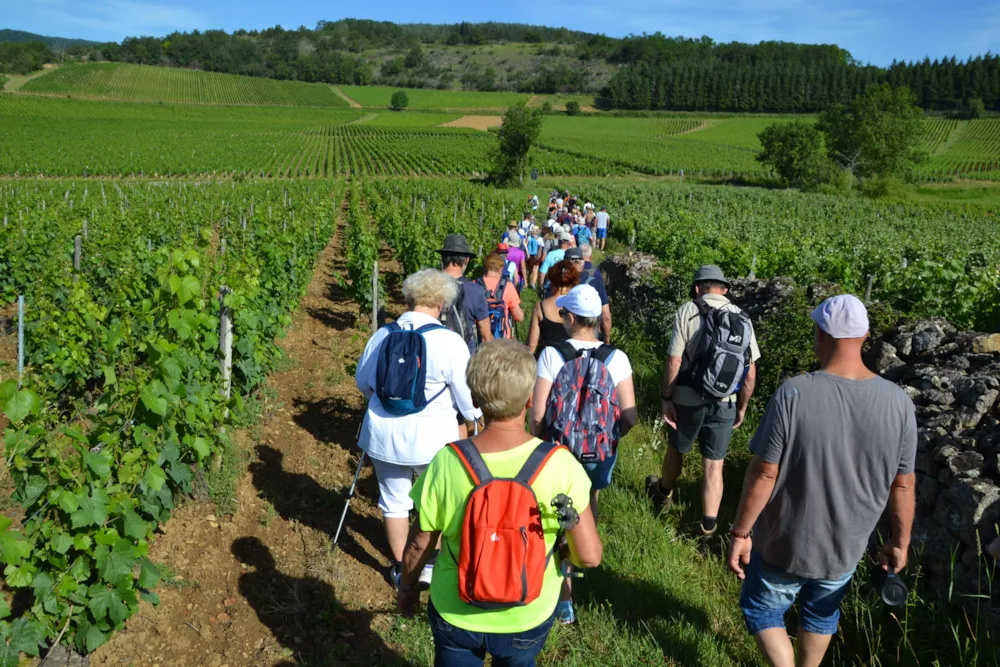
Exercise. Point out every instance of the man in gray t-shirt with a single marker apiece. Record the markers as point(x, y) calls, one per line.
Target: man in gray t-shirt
point(834, 448)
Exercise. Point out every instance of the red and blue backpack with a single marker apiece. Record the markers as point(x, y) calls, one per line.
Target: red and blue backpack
point(582, 413)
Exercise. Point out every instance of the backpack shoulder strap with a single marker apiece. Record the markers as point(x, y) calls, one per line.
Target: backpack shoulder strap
point(501, 286)
point(703, 308)
point(472, 461)
point(536, 461)
point(565, 350)
point(429, 327)
point(393, 327)
point(603, 353)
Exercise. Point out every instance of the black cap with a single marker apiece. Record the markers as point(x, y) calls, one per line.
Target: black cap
point(455, 244)
point(573, 253)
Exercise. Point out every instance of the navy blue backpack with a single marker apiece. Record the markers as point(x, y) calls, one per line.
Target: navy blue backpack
point(402, 370)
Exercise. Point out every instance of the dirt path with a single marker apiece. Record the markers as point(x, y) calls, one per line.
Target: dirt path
point(354, 104)
point(483, 123)
point(261, 587)
point(364, 119)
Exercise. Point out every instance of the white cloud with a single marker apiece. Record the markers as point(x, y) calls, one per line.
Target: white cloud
point(116, 19)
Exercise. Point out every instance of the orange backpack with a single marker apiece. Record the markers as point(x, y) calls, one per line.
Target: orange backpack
point(502, 555)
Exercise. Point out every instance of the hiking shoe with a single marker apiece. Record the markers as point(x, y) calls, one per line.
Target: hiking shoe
point(425, 576)
point(565, 613)
point(395, 572)
point(661, 501)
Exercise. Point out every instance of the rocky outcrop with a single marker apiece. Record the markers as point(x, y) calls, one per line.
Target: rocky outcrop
point(953, 378)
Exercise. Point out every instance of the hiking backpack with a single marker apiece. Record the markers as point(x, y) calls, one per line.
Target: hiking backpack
point(497, 307)
point(454, 317)
point(722, 357)
point(401, 376)
point(582, 413)
point(502, 553)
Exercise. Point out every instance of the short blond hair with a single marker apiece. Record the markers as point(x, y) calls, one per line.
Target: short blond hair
point(501, 377)
point(429, 288)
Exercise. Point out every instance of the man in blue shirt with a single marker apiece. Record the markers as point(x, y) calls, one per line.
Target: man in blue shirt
point(468, 316)
point(555, 256)
point(591, 275)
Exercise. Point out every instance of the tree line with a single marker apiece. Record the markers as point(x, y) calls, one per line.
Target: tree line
point(698, 75)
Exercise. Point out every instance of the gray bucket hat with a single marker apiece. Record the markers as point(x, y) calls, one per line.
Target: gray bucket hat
point(710, 272)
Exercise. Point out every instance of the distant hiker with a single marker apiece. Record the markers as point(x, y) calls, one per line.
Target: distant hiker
point(834, 449)
point(496, 596)
point(502, 300)
point(554, 256)
point(546, 326)
point(583, 400)
point(412, 373)
point(591, 275)
point(512, 232)
point(707, 384)
point(519, 260)
point(581, 233)
point(534, 248)
point(467, 316)
point(603, 224)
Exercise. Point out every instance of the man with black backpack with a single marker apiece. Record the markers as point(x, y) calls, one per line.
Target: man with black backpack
point(468, 316)
point(708, 381)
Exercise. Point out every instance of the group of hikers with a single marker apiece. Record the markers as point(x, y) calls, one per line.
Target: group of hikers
point(502, 448)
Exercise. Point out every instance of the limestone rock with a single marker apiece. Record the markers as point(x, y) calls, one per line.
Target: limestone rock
point(986, 344)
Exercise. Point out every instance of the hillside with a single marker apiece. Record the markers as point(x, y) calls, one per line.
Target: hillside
point(19, 36)
point(141, 83)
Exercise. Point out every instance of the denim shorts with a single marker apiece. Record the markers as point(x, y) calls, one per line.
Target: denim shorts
point(769, 592)
point(600, 472)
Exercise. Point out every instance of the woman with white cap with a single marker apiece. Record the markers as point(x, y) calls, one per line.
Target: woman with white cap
point(581, 313)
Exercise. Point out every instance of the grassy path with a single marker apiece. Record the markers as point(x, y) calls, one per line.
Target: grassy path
point(354, 104)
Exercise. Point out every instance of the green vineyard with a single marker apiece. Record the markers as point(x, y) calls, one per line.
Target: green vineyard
point(140, 83)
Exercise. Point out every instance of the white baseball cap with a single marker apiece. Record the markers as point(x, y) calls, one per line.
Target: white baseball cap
point(842, 316)
point(582, 300)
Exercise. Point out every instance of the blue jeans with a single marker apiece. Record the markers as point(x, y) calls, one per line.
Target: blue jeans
point(768, 592)
point(454, 647)
point(600, 472)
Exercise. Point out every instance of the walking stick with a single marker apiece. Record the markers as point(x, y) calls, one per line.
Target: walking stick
point(350, 494)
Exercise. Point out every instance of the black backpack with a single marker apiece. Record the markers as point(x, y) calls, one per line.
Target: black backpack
point(722, 357)
point(455, 317)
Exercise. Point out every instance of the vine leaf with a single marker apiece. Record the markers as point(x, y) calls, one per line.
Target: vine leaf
point(135, 527)
point(107, 603)
point(98, 463)
point(154, 478)
point(13, 546)
point(93, 510)
point(22, 404)
point(115, 564)
point(152, 398)
point(149, 575)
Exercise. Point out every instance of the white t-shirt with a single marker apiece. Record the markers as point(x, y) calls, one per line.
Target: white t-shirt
point(551, 362)
point(602, 220)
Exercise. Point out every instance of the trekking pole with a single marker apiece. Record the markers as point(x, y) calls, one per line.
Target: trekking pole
point(347, 504)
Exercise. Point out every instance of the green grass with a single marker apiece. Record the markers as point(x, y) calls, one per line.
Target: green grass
point(378, 97)
point(140, 83)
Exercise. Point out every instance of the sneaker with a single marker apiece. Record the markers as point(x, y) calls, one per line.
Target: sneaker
point(395, 572)
point(661, 501)
point(425, 576)
point(565, 613)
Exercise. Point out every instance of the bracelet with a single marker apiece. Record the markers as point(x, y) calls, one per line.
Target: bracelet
point(742, 536)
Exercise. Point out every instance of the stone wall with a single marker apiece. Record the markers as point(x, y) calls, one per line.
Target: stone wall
point(952, 376)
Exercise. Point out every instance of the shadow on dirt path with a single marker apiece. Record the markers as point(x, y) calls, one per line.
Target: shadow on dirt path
point(261, 587)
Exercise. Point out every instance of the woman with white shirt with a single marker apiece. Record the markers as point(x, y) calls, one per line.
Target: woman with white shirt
point(400, 447)
point(581, 313)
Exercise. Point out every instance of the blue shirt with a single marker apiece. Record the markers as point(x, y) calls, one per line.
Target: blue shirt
point(554, 257)
point(596, 281)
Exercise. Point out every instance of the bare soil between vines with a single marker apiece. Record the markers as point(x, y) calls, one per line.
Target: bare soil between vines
point(262, 587)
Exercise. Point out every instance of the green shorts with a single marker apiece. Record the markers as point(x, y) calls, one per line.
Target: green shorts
point(710, 424)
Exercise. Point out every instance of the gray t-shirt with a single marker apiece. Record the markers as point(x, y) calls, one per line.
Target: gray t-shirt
point(839, 444)
point(602, 220)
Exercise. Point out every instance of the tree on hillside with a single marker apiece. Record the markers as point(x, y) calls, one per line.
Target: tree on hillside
point(399, 101)
point(519, 130)
point(876, 135)
point(795, 151)
point(572, 108)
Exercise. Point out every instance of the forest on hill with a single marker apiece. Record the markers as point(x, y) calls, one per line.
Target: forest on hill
point(653, 72)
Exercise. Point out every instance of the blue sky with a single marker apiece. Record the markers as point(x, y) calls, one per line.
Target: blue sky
point(873, 30)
